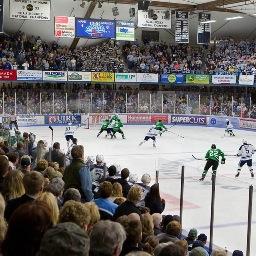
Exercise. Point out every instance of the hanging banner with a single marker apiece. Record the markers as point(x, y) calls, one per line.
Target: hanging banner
point(147, 78)
point(172, 79)
point(29, 75)
point(8, 75)
point(246, 79)
point(182, 27)
point(197, 79)
point(204, 29)
point(125, 30)
point(1, 16)
point(55, 75)
point(103, 77)
point(64, 26)
point(224, 79)
point(156, 19)
point(74, 76)
point(30, 9)
point(125, 77)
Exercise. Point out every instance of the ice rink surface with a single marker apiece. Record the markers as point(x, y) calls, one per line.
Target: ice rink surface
point(171, 153)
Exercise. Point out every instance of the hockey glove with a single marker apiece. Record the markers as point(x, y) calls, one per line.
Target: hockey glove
point(223, 161)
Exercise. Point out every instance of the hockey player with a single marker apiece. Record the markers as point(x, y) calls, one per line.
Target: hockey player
point(69, 134)
point(160, 127)
point(104, 127)
point(245, 152)
point(212, 157)
point(151, 134)
point(117, 128)
point(229, 128)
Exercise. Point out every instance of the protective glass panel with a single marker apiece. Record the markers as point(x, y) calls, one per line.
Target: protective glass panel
point(156, 102)
point(144, 102)
point(132, 102)
point(169, 102)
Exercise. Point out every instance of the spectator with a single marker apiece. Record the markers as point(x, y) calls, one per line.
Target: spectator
point(198, 251)
point(107, 239)
point(153, 200)
point(119, 200)
point(123, 181)
point(151, 242)
point(112, 174)
point(13, 160)
point(117, 191)
point(33, 183)
point(71, 194)
point(20, 150)
point(40, 151)
point(64, 239)
point(147, 226)
point(56, 155)
point(219, 253)
point(200, 242)
point(106, 206)
point(25, 164)
point(129, 206)
point(77, 174)
point(41, 165)
point(237, 253)
point(52, 204)
point(183, 244)
point(173, 231)
point(192, 235)
point(133, 237)
point(157, 220)
point(145, 179)
point(13, 185)
point(171, 249)
point(51, 173)
point(94, 213)
point(3, 224)
point(75, 212)
point(56, 187)
point(26, 229)
point(4, 169)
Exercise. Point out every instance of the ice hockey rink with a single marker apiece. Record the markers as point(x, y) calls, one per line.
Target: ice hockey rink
point(172, 151)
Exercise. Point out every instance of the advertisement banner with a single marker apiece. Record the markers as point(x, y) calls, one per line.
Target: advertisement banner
point(155, 118)
point(74, 76)
point(30, 9)
point(8, 75)
point(220, 121)
point(63, 119)
point(248, 123)
point(125, 30)
point(197, 79)
point(64, 26)
point(1, 16)
point(30, 120)
point(147, 78)
point(138, 119)
point(224, 79)
point(103, 77)
point(172, 79)
point(29, 75)
point(189, 119)
point(55, 75)
point(246, 79)
point(154, 19)
point(125, 77)
point(96, 119)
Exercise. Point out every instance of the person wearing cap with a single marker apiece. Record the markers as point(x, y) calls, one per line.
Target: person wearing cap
point(25, 164)
point(65, 239)
point(192, 235)
point(98, 173)
point(198, 251)
point(212, 160)
point(237, 253)
point(145, 181)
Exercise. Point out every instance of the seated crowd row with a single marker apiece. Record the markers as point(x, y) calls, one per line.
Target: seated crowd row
point(85, 208)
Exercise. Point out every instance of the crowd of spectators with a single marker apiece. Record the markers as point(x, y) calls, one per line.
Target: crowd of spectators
point(49, 206)
point(58, 100)
point(226, 56)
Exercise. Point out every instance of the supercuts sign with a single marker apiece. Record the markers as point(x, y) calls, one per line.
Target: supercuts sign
point(189, 119)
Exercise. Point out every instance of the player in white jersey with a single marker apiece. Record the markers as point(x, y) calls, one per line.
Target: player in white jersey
point(229, 128)
point(245, 152)
point(151, 134)
point(69, 134)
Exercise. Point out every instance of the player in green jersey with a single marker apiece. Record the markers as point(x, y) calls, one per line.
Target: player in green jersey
point(117, 128)
point(160, 127)
point(104, 127)
point(212, 156)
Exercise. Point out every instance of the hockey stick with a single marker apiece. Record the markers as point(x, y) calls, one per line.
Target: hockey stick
point(197, 158)
point(177, 134)
point(230, 155)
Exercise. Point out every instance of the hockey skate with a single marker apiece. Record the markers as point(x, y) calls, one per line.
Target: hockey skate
point(202, 178)
point(252, 174)
point(237, 174)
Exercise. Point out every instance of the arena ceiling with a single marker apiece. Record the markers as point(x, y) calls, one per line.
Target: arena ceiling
point(219, 9)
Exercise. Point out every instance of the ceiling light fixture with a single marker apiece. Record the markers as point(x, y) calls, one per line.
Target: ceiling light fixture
point(234, 18)
point(207, 21)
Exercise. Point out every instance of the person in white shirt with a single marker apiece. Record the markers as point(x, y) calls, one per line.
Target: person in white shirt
point(151, 134)
point(245, 152)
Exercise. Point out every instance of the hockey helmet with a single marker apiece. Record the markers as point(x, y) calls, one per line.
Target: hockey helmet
point(213, 146)
point(244, 141)
point(99, 158)
point(69, 124)
point(227, 119)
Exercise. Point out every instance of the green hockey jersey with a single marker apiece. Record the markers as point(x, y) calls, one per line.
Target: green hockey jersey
point(214, 154)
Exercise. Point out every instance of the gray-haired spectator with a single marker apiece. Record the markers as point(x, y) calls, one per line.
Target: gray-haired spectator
point(65, 239)
point(144, 185)
point(107, 238)
point(71, 194)
point(56, 187)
